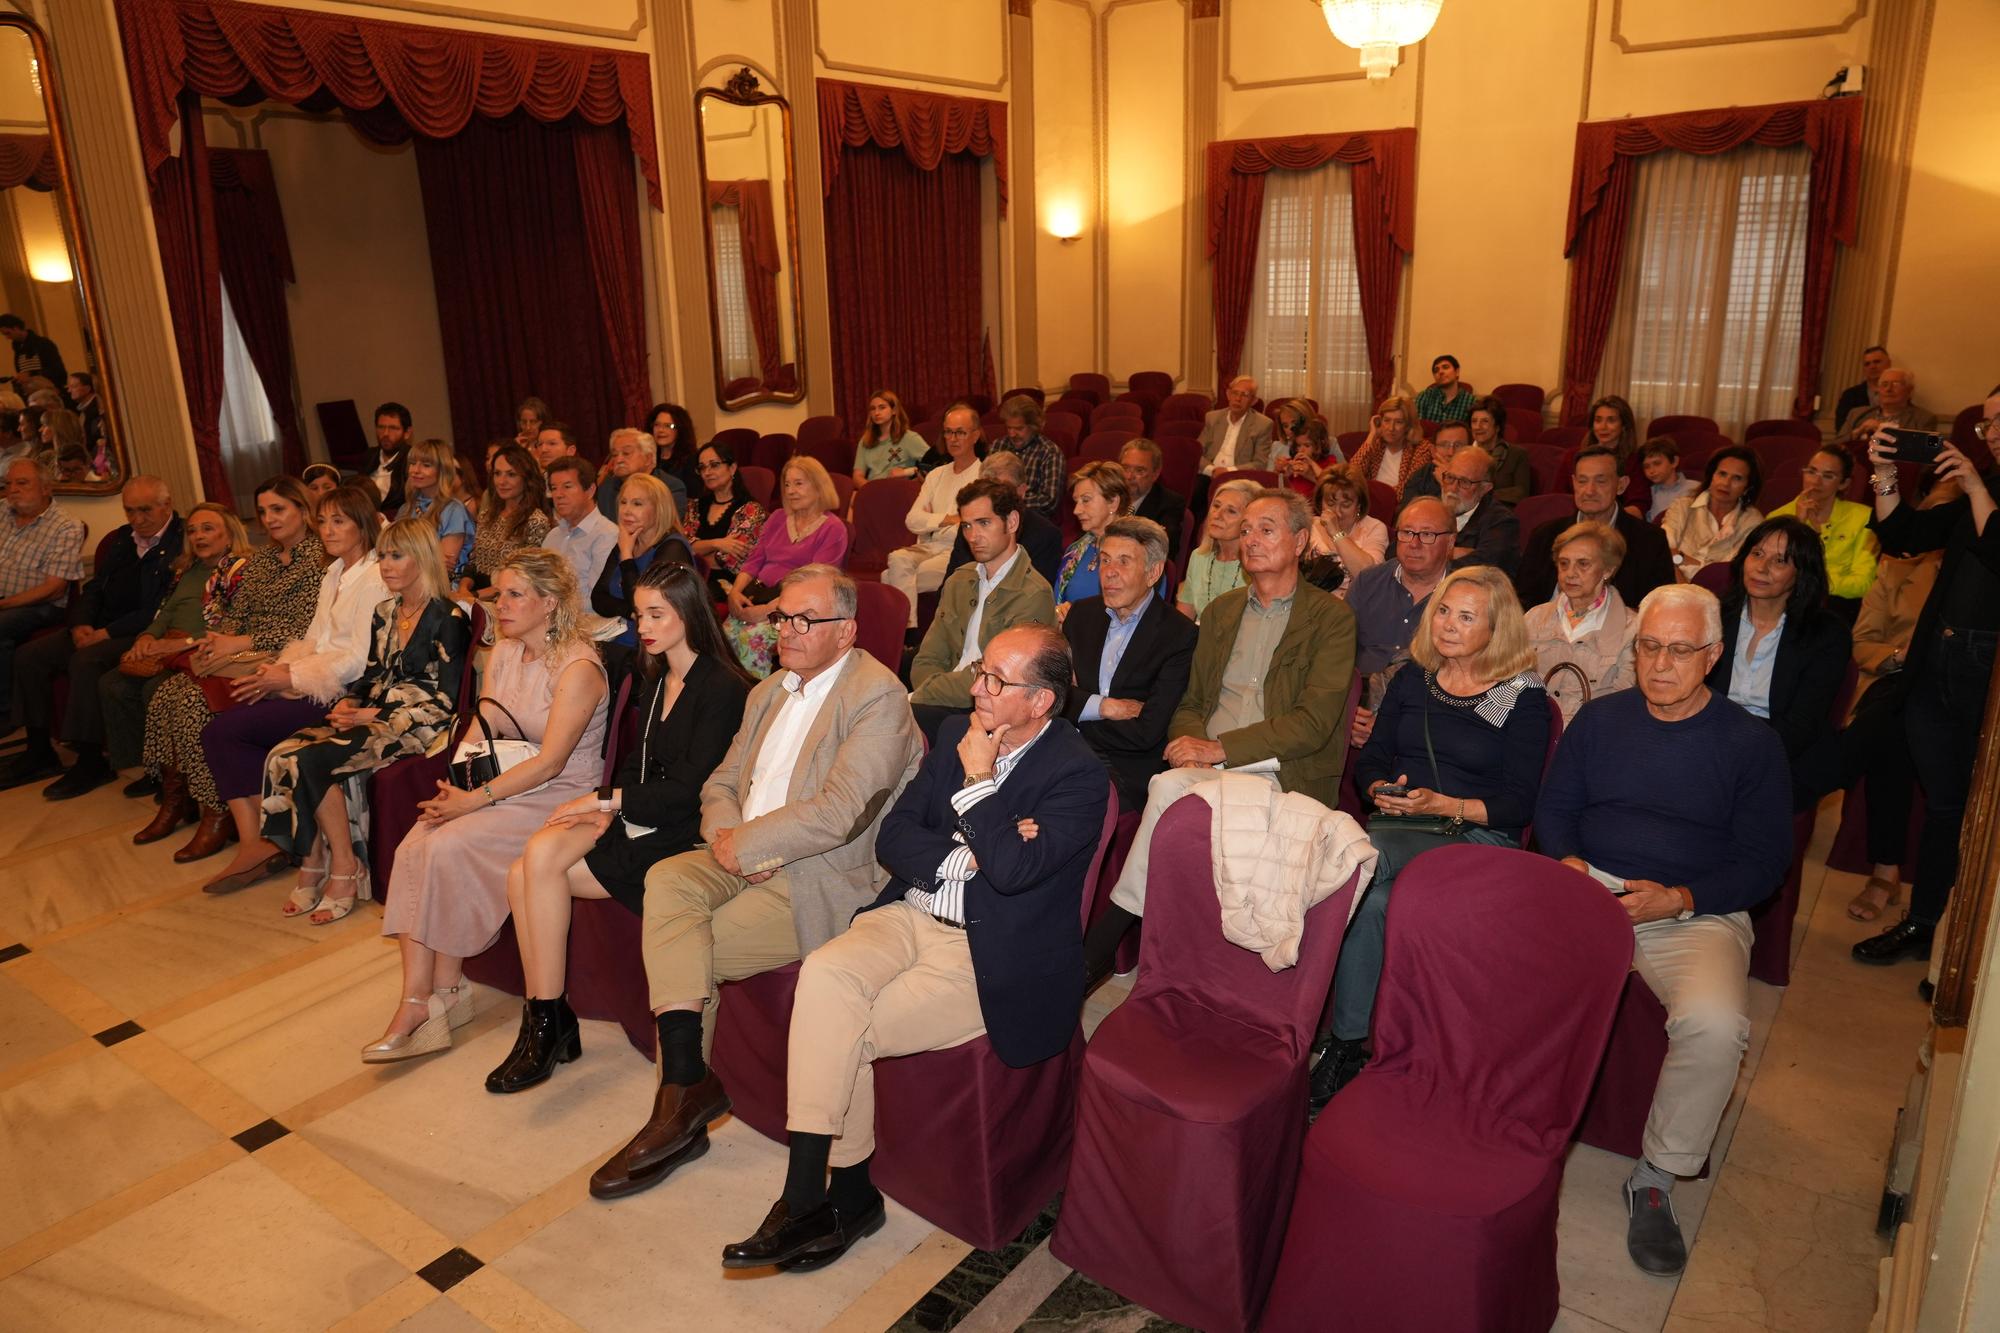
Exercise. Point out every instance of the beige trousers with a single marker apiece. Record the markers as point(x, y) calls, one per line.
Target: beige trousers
point(1166, 788)
point(1700, 970)
point(896, 982)
point(704, 925)
point(916, 569)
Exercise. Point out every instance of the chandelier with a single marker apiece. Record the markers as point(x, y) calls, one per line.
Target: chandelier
point(1379, 29)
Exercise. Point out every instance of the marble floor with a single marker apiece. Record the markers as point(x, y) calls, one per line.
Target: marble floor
point(188, 1141)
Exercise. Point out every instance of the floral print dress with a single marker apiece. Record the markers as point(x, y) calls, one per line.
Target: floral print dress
point(415, 685)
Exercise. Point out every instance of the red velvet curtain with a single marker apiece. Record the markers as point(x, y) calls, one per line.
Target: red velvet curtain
point(437, 79)
point(1600, 208)
point(612, 245)
point(518, 298)
point(30, 160)
point(903, 277)
point(256, 262)
point(184, 220)
point(757, 234)
point(1384, 164)
point(926, 126)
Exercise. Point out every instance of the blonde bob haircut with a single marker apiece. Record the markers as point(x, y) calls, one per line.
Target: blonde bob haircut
point(416, 539)
point(655, 493)
point(1507, 653)
point(815, 472)
point(239, 537)
point(1397, 402)
point(445, 459)
point(548, 574)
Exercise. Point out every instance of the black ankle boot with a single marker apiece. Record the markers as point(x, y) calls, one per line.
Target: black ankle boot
point(550, 1035)
point(1335, 1070)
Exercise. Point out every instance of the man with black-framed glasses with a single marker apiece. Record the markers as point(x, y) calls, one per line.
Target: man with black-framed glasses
point(790, 818)
point(1680, 802)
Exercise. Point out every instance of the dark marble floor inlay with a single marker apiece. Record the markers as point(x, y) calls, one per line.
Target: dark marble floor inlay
point(259, 1135)
point(1082, 1306)
point(13, 951)
point(976, 1275)
point(123, 1032)
point(450, 1268)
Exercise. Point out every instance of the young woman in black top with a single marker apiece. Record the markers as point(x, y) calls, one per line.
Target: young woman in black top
point(689, 694)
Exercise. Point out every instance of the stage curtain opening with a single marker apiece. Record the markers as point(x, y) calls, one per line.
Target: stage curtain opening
point(1600, 218)
point(256, 262)
point(184, 221)
point(1384, 188)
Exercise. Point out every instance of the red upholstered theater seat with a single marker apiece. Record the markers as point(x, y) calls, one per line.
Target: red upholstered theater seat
point(1527, 397)
point(1524, 425)
point(1187, 406)
point(1092, 385)
point(1159, 384)
point(1065, 428)
point(881, 613)
point(1103, 445)
point(1025, 392)
point(1181, 465)
point(878, 528)
point(1192, 1103)
point(818, 430)
point(1564, 437)
point(761, 482)
point(1536, 510)
point(1786, 426)
point(1382, 503)
point(1427, 1194)
point(771, 452)
point(741, 439)
point(967, 1142)
point(1667, 425)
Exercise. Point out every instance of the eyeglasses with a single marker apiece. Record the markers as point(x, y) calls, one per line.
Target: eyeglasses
point(1453, 479)
point(1680, 652)
point(710, 466)
point(992, 683)
point(799, 624)
point(1984, 429)
point(957, 434)
point(1820, 474)
point(1417, 535)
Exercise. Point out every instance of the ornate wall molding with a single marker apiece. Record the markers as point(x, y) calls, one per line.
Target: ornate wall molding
point(546, 23)
point(1854, 15)
point(1228, 59)
point(914, 75)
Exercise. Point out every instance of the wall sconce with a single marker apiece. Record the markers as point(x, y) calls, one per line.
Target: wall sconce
point(1065, 222)
point(51, 267)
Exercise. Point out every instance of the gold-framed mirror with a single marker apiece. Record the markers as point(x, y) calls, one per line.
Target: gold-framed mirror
point(48, 313)
point(750, 217)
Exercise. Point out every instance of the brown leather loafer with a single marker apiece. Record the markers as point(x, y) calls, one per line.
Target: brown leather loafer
point(679, 1122)
point(274, 864)
point(211, 835)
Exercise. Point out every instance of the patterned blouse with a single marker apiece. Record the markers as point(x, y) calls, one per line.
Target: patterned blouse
point(742, 521)
point(274, 600)
point(491, 545)
point(415, 685)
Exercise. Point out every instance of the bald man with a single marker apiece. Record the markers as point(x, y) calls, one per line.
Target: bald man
point(135, 571)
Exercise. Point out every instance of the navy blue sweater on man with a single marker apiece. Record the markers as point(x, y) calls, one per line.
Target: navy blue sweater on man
point(1705, 802)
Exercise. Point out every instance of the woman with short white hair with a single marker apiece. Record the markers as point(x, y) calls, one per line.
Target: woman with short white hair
point(1582, 636)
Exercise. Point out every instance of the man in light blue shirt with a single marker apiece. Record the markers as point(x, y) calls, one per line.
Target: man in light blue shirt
point(581, 535)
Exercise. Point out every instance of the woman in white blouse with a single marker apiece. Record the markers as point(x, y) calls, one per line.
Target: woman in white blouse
point(280, 697)
point(1586, 625)
point(1706, 528)
point(934, 516)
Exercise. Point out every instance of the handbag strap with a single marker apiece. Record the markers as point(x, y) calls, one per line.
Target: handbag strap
point(1437, 782)
point(479, 712)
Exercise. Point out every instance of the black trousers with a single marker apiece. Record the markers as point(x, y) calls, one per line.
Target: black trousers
point(1944, 711)
point(1874, 746)
point(39, 662)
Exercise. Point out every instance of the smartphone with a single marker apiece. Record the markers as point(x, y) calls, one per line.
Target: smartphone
point(1392, 789)
point(1915, 446)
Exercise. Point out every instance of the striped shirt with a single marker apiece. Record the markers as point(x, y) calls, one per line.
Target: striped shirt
point(946, 900)
point(48, 546)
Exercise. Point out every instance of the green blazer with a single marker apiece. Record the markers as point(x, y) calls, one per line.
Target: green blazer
point(1305, 691)
point(1022, 598)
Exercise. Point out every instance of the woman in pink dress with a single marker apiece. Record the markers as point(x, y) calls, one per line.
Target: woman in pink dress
point(448, 893)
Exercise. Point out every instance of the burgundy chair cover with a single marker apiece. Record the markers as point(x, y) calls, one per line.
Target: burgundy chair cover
point(880, 614)
point(1427, 1197)
point(1535, 510)
point(1528, 397)
point(1614, 1119)
point(1192, 1104)
point(753, 1026)
point(970, 1144)
point(607, 968)
point(879, 510)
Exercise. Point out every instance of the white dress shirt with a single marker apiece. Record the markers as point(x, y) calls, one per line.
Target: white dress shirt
point(1225, 455)
point(947, 900)
point(335, 647)
point(771, 773)
point(969, 653)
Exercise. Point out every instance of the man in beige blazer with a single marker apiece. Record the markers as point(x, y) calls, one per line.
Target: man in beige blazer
point(1237, 436)
point(790, 818)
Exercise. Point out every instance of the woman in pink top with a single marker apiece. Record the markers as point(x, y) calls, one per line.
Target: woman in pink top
point(804, 531)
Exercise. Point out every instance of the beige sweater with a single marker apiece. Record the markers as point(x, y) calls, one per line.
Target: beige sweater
point(1277, 854)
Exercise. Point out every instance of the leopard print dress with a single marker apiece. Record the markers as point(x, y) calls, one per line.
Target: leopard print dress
point(273, 605)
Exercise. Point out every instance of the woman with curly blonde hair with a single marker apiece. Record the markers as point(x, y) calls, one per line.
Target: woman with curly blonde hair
point(448, 893)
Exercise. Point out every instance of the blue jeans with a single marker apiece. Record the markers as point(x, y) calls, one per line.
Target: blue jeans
point(17, 626)
point(1359, 971)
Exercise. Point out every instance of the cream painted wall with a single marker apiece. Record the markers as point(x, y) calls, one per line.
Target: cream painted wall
point(960, 44)
point(1948, 271)
point(1145, 188)
point(1065, 166)
point(363, 311)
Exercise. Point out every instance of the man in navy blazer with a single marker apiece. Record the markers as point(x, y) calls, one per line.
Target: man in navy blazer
point(979, 931)
point(1133, 655)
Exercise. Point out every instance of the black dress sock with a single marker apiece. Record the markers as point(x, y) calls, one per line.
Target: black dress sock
point(680, 1047)
point(805, 1174)
point(1100, 943)
point(852, 1191)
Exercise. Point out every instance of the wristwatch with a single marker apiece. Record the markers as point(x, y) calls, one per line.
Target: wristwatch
point(974, 779)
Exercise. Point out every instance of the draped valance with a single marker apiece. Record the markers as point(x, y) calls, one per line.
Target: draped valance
point(436, 79)
point(1600, 202)
point(30, 160)
point(924, 125)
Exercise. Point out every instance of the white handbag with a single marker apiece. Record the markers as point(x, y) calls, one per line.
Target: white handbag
point(479, 760)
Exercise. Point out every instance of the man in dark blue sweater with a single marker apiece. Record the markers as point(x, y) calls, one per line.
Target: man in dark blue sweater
point(1683, 800)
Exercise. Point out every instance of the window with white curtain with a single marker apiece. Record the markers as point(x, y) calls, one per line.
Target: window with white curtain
point(1707, 314)
point(739, 349)
point(250, 447)
point(1305, 337)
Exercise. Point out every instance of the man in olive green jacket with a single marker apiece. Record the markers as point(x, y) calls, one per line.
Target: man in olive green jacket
point(1269, 686)
point(998, 590)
